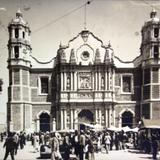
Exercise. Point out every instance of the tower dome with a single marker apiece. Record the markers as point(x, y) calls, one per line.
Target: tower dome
point(153, 15)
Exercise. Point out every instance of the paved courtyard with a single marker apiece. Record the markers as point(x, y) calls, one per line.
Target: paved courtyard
point(28, 154)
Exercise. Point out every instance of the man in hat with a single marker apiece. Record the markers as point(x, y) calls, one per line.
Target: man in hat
point(10, 146)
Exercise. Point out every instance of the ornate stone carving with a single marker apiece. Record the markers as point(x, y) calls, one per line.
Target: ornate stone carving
point(72, 57)
point(97, 56)
point(85, 81)
point(85, 95)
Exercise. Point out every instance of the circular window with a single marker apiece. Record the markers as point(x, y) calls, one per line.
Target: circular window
point(85, 55)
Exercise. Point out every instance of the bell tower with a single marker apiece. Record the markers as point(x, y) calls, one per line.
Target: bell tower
point(150, 54)
point(19, 49)
point(19, 41)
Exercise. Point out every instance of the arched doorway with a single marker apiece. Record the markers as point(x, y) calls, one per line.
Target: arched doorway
point(85, 116)
point(44, 122)
point(127, 119)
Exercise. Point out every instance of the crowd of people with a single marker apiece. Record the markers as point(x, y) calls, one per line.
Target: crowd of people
point(81, 144)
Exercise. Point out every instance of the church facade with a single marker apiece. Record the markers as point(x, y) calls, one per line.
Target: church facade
point(84, 83)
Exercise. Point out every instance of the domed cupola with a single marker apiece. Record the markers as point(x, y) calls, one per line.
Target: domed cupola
point(150, 39)
point(97, 57)
point(72, 57)
point(153, 15)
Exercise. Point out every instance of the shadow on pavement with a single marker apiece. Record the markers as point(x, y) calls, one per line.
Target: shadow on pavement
point(135, 151)
point(146, 157)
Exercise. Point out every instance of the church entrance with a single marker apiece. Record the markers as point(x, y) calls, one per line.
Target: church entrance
point(85, 116)
point(127, 119)
point(44, 122)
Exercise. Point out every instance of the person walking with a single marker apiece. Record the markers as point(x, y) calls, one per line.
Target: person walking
point(82, 141)
point(66, 146)
point(154, 147)
point(36, 142)
point(107, 142)
point(54, 143)
point(16, 140)
point(10, 146)
point(91, 150)
point(76, 143)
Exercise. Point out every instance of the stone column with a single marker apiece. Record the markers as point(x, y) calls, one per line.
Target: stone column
point(100, 117)
point(62, 119)
point(75, 80)
point(105, 81)
point(114, 115)
point(38, 123)
point(54, 125)
point(75, 119)
point(62, 82)
point(109, 78)
point(109, 117)
point(96, 80)
point(65, 119)
point(96, 115)
point(65, 82)
point(71, 119)
point(12, 33)
point(106, 118)
point(99, 80)
point(71, 81)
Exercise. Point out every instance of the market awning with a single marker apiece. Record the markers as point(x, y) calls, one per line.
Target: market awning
point(150, 123)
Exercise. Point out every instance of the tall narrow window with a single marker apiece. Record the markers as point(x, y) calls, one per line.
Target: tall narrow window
point(44, 85)
point(23, 34)
point(126, 83)
point(16, 51)
point(146, 111)
point(147, 76)
point(1, 82)
point(156, 32)
point(156, 51)
point(16, 33)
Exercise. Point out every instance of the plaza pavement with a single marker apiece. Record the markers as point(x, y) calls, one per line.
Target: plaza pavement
point(28, 154)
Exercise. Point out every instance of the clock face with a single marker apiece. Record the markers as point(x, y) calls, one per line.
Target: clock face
point(85, 55)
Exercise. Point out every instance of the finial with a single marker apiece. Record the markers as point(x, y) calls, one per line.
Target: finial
point(19, 13)
point(153, 13)
point(109, 44)
point(60, 45)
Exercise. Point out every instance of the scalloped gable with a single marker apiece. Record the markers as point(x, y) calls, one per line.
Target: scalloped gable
point(121, 64)
point(37, 64)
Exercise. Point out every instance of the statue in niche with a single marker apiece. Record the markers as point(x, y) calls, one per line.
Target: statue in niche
point(102, 83)
point(68, 82)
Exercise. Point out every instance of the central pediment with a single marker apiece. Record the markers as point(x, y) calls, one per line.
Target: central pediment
point(85, 49)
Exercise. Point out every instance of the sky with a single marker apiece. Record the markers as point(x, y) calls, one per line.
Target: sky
point(57, 21)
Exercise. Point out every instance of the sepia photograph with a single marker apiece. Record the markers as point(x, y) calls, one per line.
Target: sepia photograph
point(79, 79)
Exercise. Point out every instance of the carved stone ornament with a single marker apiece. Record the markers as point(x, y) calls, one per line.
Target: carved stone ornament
point(85, 81)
